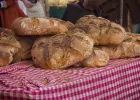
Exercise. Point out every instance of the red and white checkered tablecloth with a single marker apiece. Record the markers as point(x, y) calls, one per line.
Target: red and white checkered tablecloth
point(120, 80)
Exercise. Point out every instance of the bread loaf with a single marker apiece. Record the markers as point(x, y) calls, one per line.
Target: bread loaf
point(25, 51)
point(130, 47)
point(102, 31)
point(62, 50)
point(132, 36)
point(113, 51)
point(9, 46)
point(7, 37)
point(37, 26)
point(98, 58)
point(6, 54)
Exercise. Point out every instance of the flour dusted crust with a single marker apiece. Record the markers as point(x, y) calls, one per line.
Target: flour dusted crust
point(102, 31)
point(37, 26)
point(62, 50)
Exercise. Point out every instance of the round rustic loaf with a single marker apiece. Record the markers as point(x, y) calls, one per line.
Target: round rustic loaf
point(62, 50)
point(130, 47)
point(37, 26)
point(102, 31)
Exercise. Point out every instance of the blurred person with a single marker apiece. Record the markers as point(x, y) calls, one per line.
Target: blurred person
point(34, 9)
point(74, 11)
point(22, 6)
point(46, 6)
point(111, 10)
point(9, 11)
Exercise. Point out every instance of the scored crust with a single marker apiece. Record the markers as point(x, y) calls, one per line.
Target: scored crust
point(37, 26)
point(102, 31)
point(62, 50)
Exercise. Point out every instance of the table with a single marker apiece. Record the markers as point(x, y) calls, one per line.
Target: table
point(119, 80)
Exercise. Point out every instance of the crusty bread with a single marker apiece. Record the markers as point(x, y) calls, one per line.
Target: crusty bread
point(7, 37)
point(98, 58)
point(6, 54)
point(102, 31)
point(132, 36)
point(62, 50)
point(113, 51)
point(25, 51)
point(130, 47)
point(9, 46)
point(36, 10)
point(5, 58)
point(37, 26)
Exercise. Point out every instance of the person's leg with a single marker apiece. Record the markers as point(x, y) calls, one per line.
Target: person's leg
point(134, 28)
point(131, 27)
point(43, 5)
point(47, 7)
point(36, 10)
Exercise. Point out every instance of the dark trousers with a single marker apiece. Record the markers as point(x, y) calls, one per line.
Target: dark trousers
point(74, 11)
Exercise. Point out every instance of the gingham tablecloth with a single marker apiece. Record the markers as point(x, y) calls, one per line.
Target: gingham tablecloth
point(120, 80)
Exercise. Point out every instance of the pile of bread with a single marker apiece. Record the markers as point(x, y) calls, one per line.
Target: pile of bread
point(56, 44)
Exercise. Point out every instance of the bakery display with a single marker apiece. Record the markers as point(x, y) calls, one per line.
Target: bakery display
point(62, 50)
point(52, 43)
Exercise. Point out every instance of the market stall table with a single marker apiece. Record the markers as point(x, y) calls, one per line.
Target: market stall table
point(120, 80)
